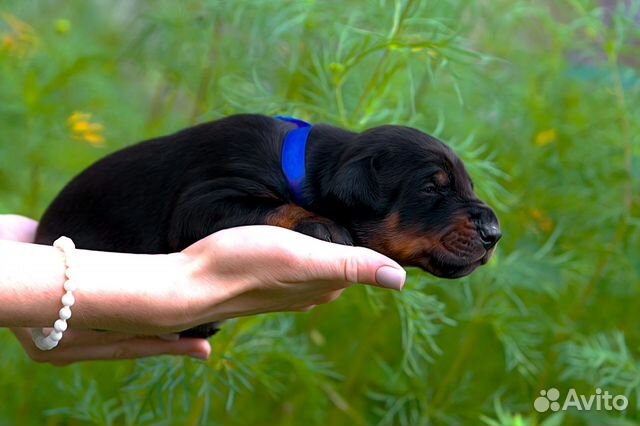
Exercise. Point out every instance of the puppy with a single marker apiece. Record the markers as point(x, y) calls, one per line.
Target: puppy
point(393, 189)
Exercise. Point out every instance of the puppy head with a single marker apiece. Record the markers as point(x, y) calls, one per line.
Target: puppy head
point(410, 198)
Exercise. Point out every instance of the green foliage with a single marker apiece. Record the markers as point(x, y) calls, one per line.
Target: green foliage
point(541, 99)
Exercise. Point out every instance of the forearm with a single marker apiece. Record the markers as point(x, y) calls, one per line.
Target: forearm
point(122, 292)
point(235, 272)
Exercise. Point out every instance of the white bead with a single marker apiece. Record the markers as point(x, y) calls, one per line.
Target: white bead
point(37, 333)
point(49, 343)
point(39, 341)
point(70, 285)
point(68, 299)
point(68, 273)
point(55, 336)
point(44, 343)
point(60, 325)
point(65, 313)
point(65, 244)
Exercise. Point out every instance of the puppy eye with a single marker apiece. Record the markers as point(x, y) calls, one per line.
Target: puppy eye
point(429, 188)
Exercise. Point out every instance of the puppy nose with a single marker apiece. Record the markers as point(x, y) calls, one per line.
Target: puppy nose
point(489, 234)
point(486, 223)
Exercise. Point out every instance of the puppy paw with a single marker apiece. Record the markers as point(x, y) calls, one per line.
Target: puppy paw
point(325, 230)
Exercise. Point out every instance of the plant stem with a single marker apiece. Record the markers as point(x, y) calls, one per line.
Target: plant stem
point(453, 373)
point(373, 81)
point(626, 131)
point(208, 73)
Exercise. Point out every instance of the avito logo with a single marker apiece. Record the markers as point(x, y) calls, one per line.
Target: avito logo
point(549, 399)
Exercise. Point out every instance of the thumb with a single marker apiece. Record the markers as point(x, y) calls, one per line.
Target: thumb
point(17, 228)
point(357, 265)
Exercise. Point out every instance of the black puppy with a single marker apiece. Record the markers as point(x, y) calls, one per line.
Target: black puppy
point(393, 189)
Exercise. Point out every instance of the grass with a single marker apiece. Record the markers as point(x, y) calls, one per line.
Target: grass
point(541, 100)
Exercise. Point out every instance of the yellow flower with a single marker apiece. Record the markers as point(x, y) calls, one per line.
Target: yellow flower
point(543, 221)
point(94, 138)
point(8, 43)
point(21, 40)
point(78, 116)
point(546, 225)
point(82, 128)
point(546, 137)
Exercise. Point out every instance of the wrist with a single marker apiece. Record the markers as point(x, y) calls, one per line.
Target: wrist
point(129, 292)
point(31, 284)
point(207, 280)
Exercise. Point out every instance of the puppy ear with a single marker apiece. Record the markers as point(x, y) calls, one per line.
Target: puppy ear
point(355, 184)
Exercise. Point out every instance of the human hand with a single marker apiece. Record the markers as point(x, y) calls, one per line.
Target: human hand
point(235, 272)
point(84, 345)
point(88, 345)
point(17, 228)
point(256, 269)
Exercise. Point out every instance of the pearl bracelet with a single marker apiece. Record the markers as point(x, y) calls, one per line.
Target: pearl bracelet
point(46, 343)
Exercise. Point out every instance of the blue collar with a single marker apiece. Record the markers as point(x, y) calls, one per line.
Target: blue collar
point(293, 157)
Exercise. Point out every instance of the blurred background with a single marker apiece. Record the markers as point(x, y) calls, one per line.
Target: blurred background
point(540, 98)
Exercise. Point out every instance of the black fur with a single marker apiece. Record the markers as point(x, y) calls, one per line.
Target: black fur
point(386, 188)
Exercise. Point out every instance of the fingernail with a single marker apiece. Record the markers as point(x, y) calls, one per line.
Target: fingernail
point(199, 355)
point(390, 277)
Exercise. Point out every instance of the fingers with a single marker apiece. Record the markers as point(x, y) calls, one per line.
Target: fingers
point(74, 338)
point(356, 265)
point(81, 346)
point(139, 347)
point(296, 257)
point(17, 228)
point(257, 269)
point(328, 261)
